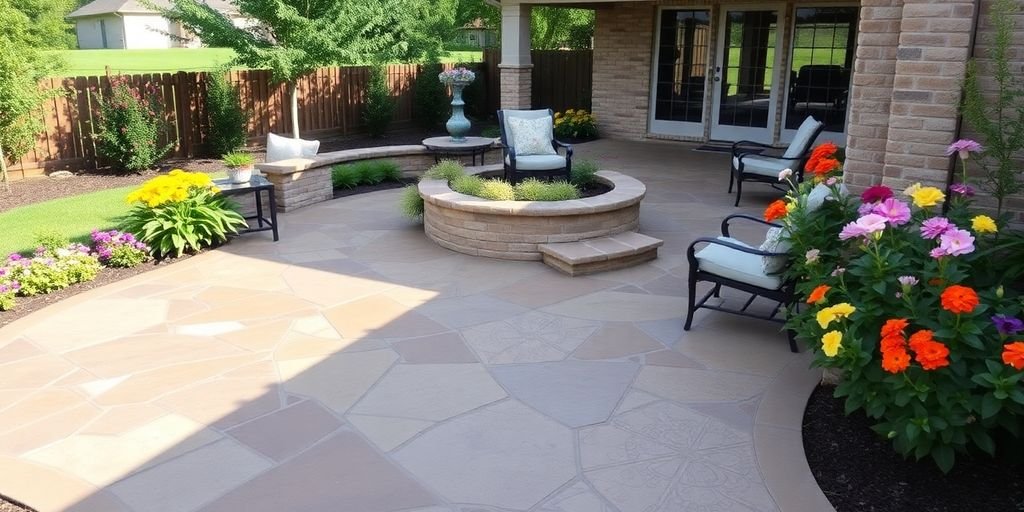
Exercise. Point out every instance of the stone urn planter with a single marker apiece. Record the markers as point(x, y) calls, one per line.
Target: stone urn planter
point(458, 125)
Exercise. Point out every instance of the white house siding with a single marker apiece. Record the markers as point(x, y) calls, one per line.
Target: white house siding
point(90, 33)
point(146, 31)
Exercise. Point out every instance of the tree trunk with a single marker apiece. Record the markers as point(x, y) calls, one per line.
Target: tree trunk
point(294, 99)
point(3, 171)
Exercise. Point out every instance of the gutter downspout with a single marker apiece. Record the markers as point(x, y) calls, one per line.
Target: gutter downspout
point(951, 173)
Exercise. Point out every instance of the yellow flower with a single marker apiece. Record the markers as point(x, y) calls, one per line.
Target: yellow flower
point(831, 342)
point(790, 207)
point(984, 224)
point(927, 196)
point(830, 314)
point(911, 190)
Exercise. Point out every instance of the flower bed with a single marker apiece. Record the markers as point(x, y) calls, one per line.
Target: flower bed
point(907, 303)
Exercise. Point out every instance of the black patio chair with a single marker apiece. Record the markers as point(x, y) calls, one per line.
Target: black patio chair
point(726, 261)
point(750, 163)
point(518, 166)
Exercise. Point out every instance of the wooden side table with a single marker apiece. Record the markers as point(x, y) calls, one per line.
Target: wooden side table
point(255, 186)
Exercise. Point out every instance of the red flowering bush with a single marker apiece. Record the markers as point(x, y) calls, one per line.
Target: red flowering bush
point(131, 122)
point(900, 298)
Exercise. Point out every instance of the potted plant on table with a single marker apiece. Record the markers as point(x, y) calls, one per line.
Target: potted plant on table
point(239, 166)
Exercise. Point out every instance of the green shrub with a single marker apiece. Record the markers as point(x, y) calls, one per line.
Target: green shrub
point(227, 118)
point(446, 170)
point(180, 212)
point(129, 126)
point(379, 106)
point(430, 97)
point(117, 249)
point(47, 272)
point(546, 191)
point(577, 124)
point(497, 190)
point(49, 241)
point(583, 173)
point(468, 184)
point(369, 172)
point(491, 132)
point(411, 203)
point(7, 301)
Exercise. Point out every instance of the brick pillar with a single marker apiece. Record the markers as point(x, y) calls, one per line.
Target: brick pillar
point(515, 70)
point(623, 42)
point(910, 66)
point(871, 95)
point(934, 44)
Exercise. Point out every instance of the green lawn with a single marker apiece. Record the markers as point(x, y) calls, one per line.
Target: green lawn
point(74, 217)
point(130, 62)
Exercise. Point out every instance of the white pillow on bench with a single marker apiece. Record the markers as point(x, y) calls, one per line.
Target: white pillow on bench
point(285, 148)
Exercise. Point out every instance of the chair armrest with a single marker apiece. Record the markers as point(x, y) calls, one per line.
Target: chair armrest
point(742, 248)
point(558, 144)
point(725, 222)
point(748, 146)
point(510, 151)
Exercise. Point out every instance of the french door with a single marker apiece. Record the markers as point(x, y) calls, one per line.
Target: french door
point(745, 78)
point(679, 77)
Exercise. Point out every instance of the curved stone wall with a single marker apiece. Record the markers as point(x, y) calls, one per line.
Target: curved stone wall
point(512, 229)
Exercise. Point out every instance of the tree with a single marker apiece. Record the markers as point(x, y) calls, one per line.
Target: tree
point(557, 27)
point(48, 26)
point(295, 37)
point(21, 70)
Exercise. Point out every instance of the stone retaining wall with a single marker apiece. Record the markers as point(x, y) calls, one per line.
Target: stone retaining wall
point(301, 182)
point(512, 229)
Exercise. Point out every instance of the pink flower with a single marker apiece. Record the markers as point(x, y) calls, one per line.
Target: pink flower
point(961, 189)
point(864, 226)
point(956, 242)
point(907, 281)
point(937, 253)
point(838, 272)
point(831, 181)
point(963, 148)
point(896, 212)
point(812, 255)
point(865, 208)
point(935, 227)
point(876, 194)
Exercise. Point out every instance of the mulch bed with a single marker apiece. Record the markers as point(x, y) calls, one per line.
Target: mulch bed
point(860, 472)
point(8, 506)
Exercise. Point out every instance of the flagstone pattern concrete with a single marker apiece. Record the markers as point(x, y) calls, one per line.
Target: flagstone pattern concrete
point(357, 366)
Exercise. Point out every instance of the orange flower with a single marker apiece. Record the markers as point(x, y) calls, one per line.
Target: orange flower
point(1013, 355)
point(920, 338)
point(893, 344)
point(895, 361)
point(818, 294)
point(824, 150)
point(932, 355)
point(775, 211)
point(959, 299)
point(824, 166)
point(894, 327)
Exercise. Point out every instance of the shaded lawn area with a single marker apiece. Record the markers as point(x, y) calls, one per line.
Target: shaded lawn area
point(73, 217)
point(170, 60)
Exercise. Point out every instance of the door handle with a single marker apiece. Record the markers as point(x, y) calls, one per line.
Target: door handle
point(718, 79)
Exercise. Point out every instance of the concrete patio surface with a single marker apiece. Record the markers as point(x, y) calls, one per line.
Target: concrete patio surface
point(355, 366)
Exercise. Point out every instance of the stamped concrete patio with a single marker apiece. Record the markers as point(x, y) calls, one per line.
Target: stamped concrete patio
point(355, 366)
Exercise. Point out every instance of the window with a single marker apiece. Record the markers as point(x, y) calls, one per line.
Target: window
point(821, 66)
point(684, 43)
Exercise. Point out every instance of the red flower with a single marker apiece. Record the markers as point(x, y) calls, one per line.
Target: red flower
point(931, 354)
point(876, 194)
point(896, 361)
point(892, 344)
point(1013, 355)
point(894, 327)
point(775, 211)
point(959, 299)
point(818, 294)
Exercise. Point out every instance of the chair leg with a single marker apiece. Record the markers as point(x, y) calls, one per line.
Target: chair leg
point(739, 190)
point(718, 291)
point(791, 334)
point(732, 177)
point(690, 300)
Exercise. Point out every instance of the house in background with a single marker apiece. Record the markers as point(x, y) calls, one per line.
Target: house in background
point(134, 25)
point(477, 34)
point(884, 75)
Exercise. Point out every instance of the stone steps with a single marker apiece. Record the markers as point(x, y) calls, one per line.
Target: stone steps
point(600, 254)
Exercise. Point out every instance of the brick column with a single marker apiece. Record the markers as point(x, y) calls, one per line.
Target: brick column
point(871, 95)
point(515, 70)
point(623, 42)
point(934, 44)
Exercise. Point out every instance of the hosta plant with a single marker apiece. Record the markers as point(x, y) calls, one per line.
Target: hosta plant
point(181, 212)
point(897, 297)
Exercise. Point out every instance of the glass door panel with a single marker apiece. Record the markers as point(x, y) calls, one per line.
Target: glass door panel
point(745, 76)
point(680, 74)
point(821, 67)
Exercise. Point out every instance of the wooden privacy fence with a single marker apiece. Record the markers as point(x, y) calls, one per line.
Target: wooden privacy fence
point(330, 103)
point(561, 79)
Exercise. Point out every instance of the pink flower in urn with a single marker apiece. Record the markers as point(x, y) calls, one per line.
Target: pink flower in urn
point(963, 148)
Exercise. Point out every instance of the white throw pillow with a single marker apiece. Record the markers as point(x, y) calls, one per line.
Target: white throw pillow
point(774, 242)
point(285, 148)
point(532, 136)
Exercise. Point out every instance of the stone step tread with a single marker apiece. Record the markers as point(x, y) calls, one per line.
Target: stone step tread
point(601, 249)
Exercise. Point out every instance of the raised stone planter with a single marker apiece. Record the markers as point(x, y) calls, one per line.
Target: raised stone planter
point(304, 181)
point(512, 230)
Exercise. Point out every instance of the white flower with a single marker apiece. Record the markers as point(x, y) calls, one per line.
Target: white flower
point(785, 174)
point(812, 255)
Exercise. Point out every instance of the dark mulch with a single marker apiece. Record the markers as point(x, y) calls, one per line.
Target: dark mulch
point(28, 305)
point(860, 472)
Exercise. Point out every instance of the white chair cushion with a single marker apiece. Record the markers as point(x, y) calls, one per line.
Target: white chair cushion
point(537, 162)
point(532, 136)
point(736, 265)
point(285, 148)
point(524, 114)
point(764, 165)
point(774, 242)
point(802, 140)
